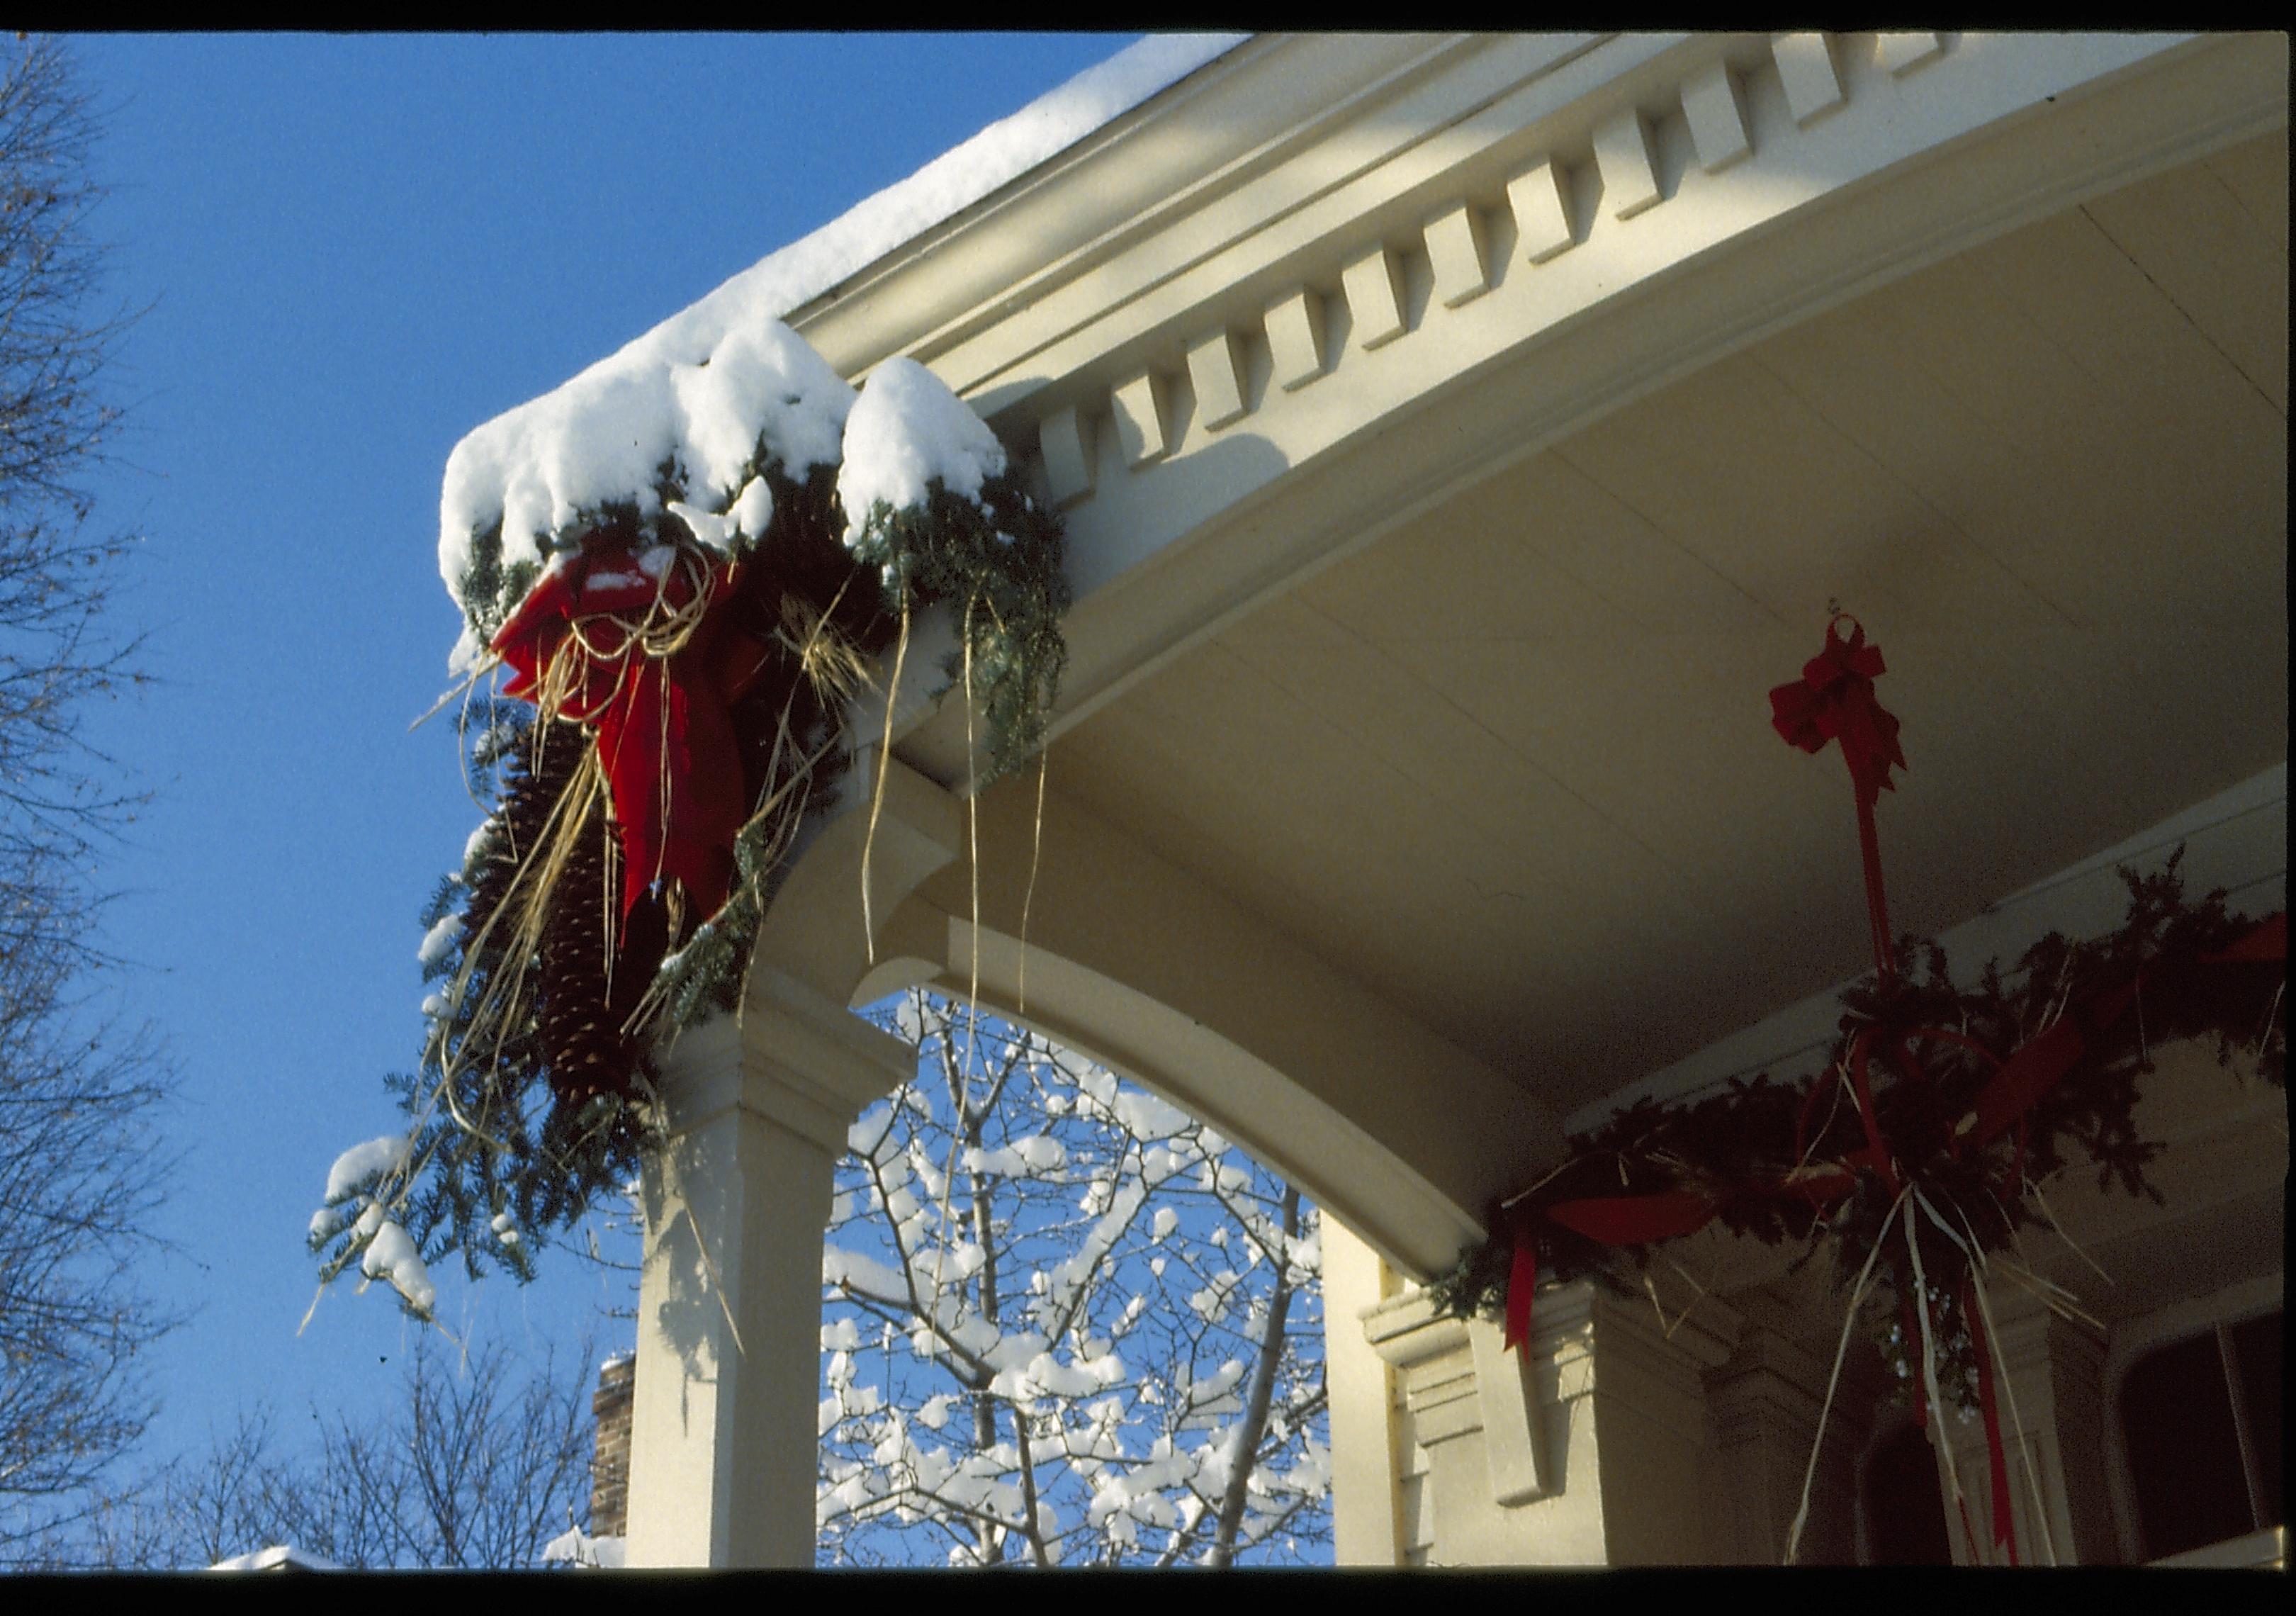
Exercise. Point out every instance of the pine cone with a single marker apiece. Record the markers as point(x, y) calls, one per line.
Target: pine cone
point(579, 1008)
point(528, 799)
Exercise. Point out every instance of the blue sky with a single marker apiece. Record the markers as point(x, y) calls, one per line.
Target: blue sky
point(353, 250)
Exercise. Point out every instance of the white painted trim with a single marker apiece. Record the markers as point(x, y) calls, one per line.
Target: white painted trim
point(1806, 66)
point(1996, 132)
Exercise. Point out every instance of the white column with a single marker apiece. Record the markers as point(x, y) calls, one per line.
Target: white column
point(724, 1430)
point(2056, 1374)
point(1365, 1526)
point(1593, 1448)
point(1766, 1403)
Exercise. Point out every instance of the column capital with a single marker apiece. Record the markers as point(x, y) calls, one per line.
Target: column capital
point(791, 1056)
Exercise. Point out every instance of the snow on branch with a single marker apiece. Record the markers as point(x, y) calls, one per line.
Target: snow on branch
point(1065, 1322)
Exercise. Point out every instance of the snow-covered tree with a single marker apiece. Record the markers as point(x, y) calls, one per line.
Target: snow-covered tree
point(1065, 1322)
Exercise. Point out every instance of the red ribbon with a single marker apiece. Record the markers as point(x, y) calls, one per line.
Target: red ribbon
point(1633, 1221)
point(1833, 701)
point(1522, 1279)
point(2036, 1068)
point(1616, 1220)
point(2023, 1078)
point(664, 732)
point(1874, 1158)
point(2269, 941)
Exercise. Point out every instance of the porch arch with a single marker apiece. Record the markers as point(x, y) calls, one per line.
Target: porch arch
point(1141, 964)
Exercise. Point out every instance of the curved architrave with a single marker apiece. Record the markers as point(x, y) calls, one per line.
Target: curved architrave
point(1340, 1165)
point(1400, 1134)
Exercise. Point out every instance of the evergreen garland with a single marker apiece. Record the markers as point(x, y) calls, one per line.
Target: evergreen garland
point(535, 1100)
point(996, 563)
point(1736, 1146)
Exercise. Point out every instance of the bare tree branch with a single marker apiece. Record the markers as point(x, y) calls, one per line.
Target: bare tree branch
point(82, 1168)
point(479, 1467)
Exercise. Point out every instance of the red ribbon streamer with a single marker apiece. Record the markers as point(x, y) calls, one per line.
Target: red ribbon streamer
point(1833, 701)
point(664, 732)
point(2036, 1068)
point(2023, 1078)
point(1633, 1221)
point(2269, 941)
point(1522, 1280)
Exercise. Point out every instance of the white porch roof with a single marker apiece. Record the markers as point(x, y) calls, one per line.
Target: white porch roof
point(1458, 438)
point(1433, 572)
point(1458, 435)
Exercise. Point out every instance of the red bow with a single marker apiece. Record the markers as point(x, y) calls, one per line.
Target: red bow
point(653, 682)
point(1833, 700)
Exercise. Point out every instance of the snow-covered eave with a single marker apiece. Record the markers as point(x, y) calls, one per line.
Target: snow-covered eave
point(971, 263)
point(824, 271)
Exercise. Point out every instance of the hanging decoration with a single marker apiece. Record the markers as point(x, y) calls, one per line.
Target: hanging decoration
point(682, 672)
point(1916, 1154)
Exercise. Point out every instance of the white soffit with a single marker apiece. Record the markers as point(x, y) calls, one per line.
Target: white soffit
point(1509, 764)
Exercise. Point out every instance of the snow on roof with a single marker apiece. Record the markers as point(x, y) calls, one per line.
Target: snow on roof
point(533, 467)
point(280, 1557)
point(575, 1546)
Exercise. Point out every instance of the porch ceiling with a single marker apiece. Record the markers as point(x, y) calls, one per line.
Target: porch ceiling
point(1511, 766)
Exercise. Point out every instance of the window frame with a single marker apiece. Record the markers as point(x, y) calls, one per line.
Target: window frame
point(2135, 1339)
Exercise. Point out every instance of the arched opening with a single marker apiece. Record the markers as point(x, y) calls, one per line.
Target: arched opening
point(1901, 1501)
point(1064, 1322)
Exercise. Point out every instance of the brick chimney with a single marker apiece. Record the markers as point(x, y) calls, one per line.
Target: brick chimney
point(610, 1468)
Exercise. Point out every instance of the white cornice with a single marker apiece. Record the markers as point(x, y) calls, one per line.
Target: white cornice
point(1461, 256)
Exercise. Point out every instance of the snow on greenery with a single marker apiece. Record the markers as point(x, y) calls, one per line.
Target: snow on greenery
point(439, 941)
point(361, 1185)
point(907, 431)
point(391, 1255)
point(1046, 1324)
point(708, 398)
point(362, 1163)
